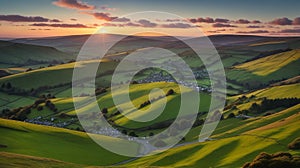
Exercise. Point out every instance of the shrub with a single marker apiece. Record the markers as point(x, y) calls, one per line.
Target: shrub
point(124, 132)
point(133, 134)
point(40, 108)
point(170, 92)
point(104, 111)
point(231, 115)
point(277, 160)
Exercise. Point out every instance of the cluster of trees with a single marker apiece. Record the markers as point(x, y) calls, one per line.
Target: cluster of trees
point(48, 103)
point(269, 104)
point(277, 160)
point(146, 103)
point(17, 113)
point(9, 88)
point(51, 106)
point(6, 86)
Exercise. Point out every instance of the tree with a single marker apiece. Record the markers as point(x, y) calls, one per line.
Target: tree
point(124, 132)
point(170, 92)
point(133, 134)
point(104, 111)
point(231, 115)
point(8, 85)
point(3, 85)
point(40, 108)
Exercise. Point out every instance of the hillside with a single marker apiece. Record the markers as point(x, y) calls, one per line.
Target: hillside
point(8, 160)
point(16, 54)
point(234, 149)
point(56, 143)
point(267, 69)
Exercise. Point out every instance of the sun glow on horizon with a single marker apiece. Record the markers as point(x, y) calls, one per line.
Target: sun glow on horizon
point(103, 30)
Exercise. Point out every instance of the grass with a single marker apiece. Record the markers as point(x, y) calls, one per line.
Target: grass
point(14, 101)
point(52, 76)
point(266, 69)
point(20, 54)
point(10, 160)
point(263, 134)
point(267, 65)
point(56, 143)
point(139, 93)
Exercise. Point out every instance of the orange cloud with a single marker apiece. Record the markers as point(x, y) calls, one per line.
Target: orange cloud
point(74, 4)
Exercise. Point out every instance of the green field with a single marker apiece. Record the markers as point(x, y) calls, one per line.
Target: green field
point(56, 143)
point(253, 76)
point(234, 150)
point(261, 71)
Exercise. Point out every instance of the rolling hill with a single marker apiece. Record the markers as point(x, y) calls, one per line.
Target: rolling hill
point(17, 54)
point(267, 69)
point(235, 148)
point(56, 143)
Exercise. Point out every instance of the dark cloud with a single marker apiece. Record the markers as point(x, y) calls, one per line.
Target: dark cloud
point(296, 21)
point(72, 19)
point(123, 19)
point(242, 21)
point(146, 23)
point(55, 20)
point(256, 21)
point(129, 24)
point(255, 27)
point(297, 30)
point(282, 21)
point(219, 20)
point(223, 25)
point(103, 16)
point(73, 4)
point(61, 25)
point(254, 32)
point(19, 18)
point(40, 29)
point(176, 25)
point(170, 20)
point(202, 20)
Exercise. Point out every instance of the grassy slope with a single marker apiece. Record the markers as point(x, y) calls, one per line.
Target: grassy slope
point(138, 95)
point(274, 67)
point(11, 160)
point(50, 76)
point(19, 54)
point(284, 91)
point(14, 101)
point(56, 143)
point(270, 134)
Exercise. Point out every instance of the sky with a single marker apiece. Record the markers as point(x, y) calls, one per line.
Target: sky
point(41, 18)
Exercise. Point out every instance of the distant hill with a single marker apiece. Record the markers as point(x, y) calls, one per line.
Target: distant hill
point(26, 54)
point(73, 44)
